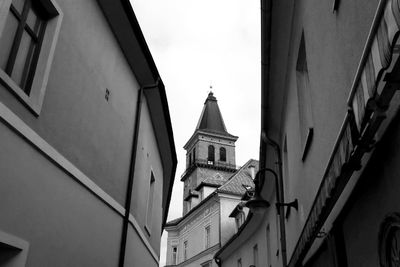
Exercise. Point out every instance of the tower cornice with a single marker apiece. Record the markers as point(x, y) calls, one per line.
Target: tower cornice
point(208, 133)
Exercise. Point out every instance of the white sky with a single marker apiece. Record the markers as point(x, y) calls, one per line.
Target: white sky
point(198, 43)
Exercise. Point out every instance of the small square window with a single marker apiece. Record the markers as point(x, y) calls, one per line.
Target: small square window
point(28, 35)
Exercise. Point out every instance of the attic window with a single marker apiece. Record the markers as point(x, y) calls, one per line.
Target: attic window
point(239, 219)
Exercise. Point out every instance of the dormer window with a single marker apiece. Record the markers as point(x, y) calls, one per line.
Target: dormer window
point(222, 154)
point(211, 155)
point(240, 217)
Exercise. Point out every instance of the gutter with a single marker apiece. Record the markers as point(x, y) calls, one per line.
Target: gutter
point(266, 25)
point(161, 90)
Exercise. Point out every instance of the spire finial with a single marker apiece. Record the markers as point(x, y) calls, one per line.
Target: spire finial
point(210, 92)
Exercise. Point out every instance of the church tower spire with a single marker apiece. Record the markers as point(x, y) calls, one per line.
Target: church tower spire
point(210, 155)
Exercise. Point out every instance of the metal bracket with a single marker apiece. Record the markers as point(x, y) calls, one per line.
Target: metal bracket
point(294, 204)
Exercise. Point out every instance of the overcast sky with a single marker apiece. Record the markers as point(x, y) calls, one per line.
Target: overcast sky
point(198, 43)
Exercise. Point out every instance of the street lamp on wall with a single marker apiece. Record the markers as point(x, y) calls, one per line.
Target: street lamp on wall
point(257, 204)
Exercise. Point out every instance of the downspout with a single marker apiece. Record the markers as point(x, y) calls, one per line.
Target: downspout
point(132, 171)
point(266, 22)
point(280, 197)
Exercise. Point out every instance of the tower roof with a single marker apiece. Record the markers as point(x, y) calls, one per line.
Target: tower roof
point(211, 118)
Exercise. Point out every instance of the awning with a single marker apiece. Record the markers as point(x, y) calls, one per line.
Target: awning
point(369, 99)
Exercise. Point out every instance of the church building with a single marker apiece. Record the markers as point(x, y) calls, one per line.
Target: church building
point(213, 190)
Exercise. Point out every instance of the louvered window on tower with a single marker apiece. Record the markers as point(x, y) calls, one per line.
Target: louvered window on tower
point(222, 154)
point(211, 155)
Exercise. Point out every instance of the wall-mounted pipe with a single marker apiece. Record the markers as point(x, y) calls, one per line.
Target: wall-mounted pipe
point(266, 22)
point(132, 166)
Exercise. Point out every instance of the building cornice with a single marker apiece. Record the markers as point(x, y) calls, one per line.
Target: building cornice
point(196, 134)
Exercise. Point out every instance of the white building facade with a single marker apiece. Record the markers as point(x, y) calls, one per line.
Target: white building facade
point(213, 188)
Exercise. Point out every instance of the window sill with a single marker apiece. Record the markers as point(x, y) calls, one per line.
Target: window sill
point(27, 100)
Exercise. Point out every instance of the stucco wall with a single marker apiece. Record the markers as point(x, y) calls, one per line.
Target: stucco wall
point(136, 253)
point(259, 238)
point(63, 222)
point(147, 161)
point(68, 225)
point(75, 117)
point(228, 224)
point(192, 229)
point(334, 42)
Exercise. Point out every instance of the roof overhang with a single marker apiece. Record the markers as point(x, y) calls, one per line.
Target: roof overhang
point(203, 184)
point(237, 209)
point(196, 134)
point(190, 195)
point(126, 29)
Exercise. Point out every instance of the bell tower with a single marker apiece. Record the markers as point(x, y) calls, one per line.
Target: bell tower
point(210, 155)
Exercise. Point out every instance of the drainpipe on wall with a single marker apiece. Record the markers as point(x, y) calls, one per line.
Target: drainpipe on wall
point(132, 171)
point(266, 21)
point(280, 197)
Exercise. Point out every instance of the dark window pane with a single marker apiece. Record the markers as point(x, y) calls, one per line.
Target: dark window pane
point(222, 154)
point(211, 153)
point(33, 20)
point(7, 39)
point(19, 5)
point(23, 60)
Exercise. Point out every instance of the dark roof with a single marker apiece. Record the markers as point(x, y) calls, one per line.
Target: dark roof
point(211, 181)
point(241, 178)
point(211, 118)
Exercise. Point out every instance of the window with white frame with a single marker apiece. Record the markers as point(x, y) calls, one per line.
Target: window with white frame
point(240, 217)
point(174, 254)
point(28, 34)
point(207, 234)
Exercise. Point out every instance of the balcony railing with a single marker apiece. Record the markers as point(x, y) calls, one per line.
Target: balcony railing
point(217, 165)
point(368, 103)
